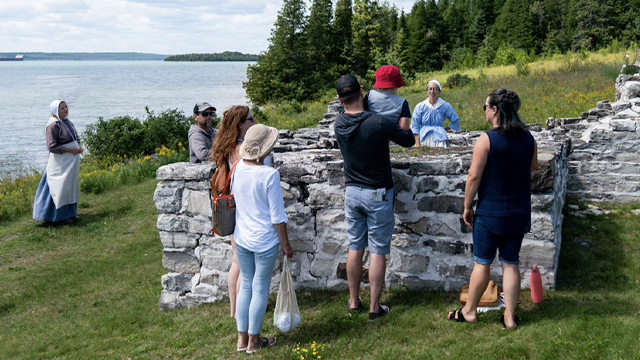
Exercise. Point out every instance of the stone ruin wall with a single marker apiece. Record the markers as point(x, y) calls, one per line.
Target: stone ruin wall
point(431, 246)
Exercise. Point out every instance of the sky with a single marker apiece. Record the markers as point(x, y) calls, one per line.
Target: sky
point(149, 26)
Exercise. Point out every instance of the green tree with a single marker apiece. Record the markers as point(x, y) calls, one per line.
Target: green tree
point(593, 28)
point(318, 44)
point(364, 29)
point(342, 38)
point(516, 26)
point(281, 72)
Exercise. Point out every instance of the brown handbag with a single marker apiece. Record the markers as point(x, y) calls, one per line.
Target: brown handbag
point(489, 297)
point(223, 206)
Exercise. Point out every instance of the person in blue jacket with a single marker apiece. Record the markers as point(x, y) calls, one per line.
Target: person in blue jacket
point(500, 173)
point(428, 119)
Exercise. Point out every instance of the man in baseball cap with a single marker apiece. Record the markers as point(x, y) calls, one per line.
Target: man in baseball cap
point(201, 133)
point(363, 138)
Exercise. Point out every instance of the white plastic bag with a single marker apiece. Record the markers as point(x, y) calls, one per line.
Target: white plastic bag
point(286, 315)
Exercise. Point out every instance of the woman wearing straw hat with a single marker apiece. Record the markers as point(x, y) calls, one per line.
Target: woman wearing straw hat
point(260, 228)
point(428, 118)
point(58, 194)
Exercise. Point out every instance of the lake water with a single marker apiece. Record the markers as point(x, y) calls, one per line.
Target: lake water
point(105, 89)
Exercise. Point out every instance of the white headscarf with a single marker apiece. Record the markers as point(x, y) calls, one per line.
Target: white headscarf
point(435, 82)
point(54, 106)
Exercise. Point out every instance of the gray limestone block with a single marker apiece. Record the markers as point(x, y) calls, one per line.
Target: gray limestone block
point(442, 204)
point(195, 202)
point(199, 224)
point(541, 253)
point(401, 180)
point(331, 225)
point(623, 125)
point(218, 257)
point(541, 227)
point(442, 166)
point(198, 185)
point(176, 282)
point(322, 267)
point(186, 171)
point(604, 135)
point(168, 196)
point(404, 240)
point(427, 183)
point(180, 260)
point(212, 239)
point(453, 270)
point(542, 202)
point(625, 168)
point(169, 300)
point(301, 227)
point(620, 106)
point(412, 263)
point(449, 246)
point(190, 299)
point(332, 248)
point(418, 283)
point(604, 104)
point(179, 239)
point(291, 194)
point(323, 196)
point(578, 155)
point(172, 223)
point(209, 276)
point(542, 179)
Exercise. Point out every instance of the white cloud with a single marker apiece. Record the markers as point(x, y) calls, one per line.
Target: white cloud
point(152, 26)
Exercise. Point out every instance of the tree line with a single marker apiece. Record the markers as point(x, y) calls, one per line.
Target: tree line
point(224, 56)
point(308, 52)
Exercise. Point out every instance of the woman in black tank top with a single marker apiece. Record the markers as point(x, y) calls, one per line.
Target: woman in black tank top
point(500, 174)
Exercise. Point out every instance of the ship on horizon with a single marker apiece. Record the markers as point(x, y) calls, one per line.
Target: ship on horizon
point(17, 58)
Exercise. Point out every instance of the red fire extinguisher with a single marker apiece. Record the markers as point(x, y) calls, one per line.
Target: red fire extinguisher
point(536, 285)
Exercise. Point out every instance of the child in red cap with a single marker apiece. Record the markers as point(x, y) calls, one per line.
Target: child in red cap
point(384, 101)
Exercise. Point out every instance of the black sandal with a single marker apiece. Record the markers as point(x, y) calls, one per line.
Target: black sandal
point(460, 317)
point(516, 320)
point(357, 310)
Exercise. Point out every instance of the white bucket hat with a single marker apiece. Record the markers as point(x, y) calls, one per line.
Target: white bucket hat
point(258, 142)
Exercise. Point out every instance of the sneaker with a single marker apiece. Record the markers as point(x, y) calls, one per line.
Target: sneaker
point(383, 311)
point(355, 311)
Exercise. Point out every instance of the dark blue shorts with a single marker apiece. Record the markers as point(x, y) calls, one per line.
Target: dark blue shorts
point(486, 242)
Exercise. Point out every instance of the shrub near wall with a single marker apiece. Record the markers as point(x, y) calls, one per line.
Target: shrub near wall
point(126, 136)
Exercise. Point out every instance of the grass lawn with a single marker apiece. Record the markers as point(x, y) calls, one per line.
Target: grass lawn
point(90, 291)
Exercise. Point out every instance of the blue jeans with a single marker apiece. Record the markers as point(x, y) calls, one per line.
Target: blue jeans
point(369, 222)
point(256, 270)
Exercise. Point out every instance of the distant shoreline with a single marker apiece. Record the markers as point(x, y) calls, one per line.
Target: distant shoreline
point(82, 56)
point(131, 56)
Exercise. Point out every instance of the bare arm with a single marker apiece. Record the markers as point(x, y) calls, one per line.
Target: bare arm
point(404, 123)
point(417, 139)
point(478, 163)
point(281, 228)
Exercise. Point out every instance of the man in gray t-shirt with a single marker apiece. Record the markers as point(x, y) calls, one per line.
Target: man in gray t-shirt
point(201, 134)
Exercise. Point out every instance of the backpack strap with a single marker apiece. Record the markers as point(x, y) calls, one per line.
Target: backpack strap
point(227, 184)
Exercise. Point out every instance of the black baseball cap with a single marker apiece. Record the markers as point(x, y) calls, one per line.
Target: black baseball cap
point(347, 85)
point(202, 106)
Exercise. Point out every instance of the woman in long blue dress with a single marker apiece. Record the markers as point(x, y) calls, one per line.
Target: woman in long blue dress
point(59, 190)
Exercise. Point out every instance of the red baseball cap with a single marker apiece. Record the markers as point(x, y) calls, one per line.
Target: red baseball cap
point(388, 76)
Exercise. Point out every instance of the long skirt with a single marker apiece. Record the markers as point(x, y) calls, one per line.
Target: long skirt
point(437, 144)
point(45, 210)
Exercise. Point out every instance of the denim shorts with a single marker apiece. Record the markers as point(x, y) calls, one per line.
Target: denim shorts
point(369, 222)
point(486, 242)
